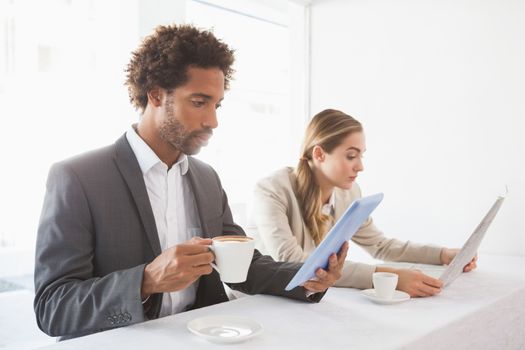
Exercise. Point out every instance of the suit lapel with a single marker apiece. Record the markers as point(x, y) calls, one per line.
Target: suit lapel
point(130, 170)
point(210, 290)
point(341, 203)
point(198, 188)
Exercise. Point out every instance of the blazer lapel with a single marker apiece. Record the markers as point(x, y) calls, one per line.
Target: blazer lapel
point(343, 199)
point(130, 170)
point(202, 194)
point(340, 204)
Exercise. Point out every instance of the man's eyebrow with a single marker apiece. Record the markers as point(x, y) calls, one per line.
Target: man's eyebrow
point(202, 95)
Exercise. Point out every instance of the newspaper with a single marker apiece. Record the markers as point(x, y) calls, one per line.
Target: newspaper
point(470, 248)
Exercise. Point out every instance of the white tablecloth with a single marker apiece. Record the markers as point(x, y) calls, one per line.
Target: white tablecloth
point(484, 309)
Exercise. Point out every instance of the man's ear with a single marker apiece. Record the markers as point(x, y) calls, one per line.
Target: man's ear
point(318, 153)
point(155, 97)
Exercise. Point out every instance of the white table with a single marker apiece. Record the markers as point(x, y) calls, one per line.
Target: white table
point(484, 309)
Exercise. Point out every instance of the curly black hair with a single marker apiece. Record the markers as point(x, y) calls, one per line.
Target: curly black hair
point(163, 58)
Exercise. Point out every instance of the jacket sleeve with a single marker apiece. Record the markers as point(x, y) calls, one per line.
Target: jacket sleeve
point(273, 226)
point(70, 300)
point(359, 275)
point(370, 238)
point(265, 275)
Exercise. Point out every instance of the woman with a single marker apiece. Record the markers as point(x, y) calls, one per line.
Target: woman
point(295, 208)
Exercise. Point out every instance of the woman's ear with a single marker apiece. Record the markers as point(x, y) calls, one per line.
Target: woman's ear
point(318, 154)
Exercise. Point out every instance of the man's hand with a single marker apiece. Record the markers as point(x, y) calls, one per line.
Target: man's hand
point(177, 267)
point(447, 255)
point(326, 279)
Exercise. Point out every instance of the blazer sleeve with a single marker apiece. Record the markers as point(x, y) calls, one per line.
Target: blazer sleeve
point(69, 299)
point(370, 238)
point(265, 275)
point(359, 275)
point(273, 225)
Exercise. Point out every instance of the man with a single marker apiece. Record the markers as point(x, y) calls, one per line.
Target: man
point(124, 229)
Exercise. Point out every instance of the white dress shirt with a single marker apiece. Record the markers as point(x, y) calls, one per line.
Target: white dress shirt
point(328, 208)
point(174, 209)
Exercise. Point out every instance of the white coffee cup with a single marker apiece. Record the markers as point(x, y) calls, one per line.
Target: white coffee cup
point(233, 255)
point(385, 284)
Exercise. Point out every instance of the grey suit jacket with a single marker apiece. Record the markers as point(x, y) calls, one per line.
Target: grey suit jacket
point(97, 232)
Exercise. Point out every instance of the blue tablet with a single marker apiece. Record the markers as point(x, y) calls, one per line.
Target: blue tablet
point(342, 231)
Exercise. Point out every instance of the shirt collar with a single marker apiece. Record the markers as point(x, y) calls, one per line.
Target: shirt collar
point(328, 208)
point(146, 158)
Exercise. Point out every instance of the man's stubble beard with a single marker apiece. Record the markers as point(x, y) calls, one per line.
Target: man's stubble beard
point(173, 132)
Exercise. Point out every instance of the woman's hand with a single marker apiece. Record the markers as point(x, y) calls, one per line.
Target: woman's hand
point(447, 255)
point(415, 282)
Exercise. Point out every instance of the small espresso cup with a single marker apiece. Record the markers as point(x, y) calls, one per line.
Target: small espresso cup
point(385, 284)
point(233, 255)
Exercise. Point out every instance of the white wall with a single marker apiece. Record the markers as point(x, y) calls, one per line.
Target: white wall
point(159, 12)
point(440, 89)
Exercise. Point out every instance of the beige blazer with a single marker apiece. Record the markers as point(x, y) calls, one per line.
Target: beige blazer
point(283, 234)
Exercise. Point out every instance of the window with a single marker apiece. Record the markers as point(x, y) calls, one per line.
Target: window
point(61, 91)
point(262, 117)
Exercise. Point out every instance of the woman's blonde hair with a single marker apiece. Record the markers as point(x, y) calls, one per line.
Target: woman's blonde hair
point(327, 129)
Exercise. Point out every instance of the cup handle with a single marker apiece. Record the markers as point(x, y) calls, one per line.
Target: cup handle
point(210, 247)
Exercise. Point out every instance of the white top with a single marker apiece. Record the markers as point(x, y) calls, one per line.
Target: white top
point(329, 208)
point(173, 207)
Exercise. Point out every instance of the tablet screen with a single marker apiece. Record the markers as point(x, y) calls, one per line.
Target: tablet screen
point(342, 231)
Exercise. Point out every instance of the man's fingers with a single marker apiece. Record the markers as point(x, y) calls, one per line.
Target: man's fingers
point(332, 262)
point(341, 256)
point(190, 249)
point(200, 241)
point(314, 286)
point(198, 259)
point(321, 274)
point(202, 270)
point(327, 278)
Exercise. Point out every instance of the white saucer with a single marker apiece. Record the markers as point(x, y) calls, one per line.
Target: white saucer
point(224, 329)
point(398, 297)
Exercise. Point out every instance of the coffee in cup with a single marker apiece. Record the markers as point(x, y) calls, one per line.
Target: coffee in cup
point(233, 256)
point(385, 284)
